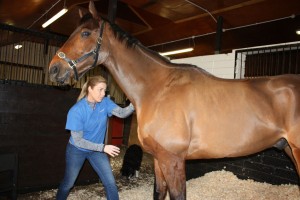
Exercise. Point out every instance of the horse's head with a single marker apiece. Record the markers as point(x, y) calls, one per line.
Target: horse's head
point(81, 51)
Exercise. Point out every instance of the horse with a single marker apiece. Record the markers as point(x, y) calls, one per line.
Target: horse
point(184, 112)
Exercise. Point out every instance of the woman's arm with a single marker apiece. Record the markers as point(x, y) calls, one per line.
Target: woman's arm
point(123, 112)
point(85, 144)
point(79, 141)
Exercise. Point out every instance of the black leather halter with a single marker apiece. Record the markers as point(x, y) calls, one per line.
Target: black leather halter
point(72, 63)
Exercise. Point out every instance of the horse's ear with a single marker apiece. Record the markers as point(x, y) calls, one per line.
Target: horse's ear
point(93, 10)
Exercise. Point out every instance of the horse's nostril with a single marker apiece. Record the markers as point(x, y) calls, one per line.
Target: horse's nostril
point(54, 69)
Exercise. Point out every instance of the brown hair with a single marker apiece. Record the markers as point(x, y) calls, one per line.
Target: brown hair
point(92, 81)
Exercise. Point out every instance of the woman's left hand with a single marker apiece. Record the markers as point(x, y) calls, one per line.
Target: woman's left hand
point(111, 150)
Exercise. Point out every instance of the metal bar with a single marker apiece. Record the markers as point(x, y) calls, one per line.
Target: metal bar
point(35, 61)
point(296, 62)
point(277, 62)
point(290, 60)
point(272, 68)
point(5, 57)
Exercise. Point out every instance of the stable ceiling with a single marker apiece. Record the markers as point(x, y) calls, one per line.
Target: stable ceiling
point(169, 24)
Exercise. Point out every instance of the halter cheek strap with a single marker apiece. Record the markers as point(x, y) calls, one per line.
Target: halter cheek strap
point(72, 63)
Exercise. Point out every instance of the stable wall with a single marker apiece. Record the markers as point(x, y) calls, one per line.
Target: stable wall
point(220, 65)
point(32, 124)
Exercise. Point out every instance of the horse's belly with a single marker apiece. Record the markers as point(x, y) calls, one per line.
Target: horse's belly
point(224, 144)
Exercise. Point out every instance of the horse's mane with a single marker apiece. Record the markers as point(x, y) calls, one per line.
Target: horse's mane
point(119, 33)
point(132, 42)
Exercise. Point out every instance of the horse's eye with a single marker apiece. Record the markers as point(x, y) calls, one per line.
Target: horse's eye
point(85, 34)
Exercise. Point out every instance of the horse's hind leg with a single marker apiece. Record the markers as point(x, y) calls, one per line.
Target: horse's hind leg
point(294, 154)
point(160, 185)
point(293, 151)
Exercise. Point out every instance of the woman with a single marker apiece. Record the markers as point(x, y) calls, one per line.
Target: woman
point(87, 121)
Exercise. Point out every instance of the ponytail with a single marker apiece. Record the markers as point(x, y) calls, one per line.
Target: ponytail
point(83, 92)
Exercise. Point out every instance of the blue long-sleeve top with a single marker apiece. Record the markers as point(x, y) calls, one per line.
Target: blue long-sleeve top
point(88, 122)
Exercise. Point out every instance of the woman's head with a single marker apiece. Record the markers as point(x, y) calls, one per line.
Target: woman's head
point(94, 89)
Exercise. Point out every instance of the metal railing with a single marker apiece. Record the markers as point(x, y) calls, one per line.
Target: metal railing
point(267, 61)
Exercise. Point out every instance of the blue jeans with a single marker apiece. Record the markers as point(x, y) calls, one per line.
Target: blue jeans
point(100, 163)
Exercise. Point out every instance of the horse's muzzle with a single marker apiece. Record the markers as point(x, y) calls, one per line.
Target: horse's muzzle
point(54, 74)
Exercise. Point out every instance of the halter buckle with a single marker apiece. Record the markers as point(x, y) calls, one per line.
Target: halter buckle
point(99, 40)
point(61, 55)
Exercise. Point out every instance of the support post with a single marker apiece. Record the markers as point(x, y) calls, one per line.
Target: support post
point(219, 35)
point(112, 9)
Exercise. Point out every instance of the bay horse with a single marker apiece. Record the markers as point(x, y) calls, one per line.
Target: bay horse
point(183, 112)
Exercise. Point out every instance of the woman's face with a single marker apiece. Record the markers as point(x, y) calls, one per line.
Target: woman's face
point(97, 93)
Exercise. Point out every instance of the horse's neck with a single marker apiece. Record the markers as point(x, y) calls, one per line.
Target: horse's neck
point(134, 69)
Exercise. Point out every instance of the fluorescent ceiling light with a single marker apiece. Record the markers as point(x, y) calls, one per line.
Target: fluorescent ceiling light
point(298, 31)
point(177, 51)
point(18, 46)
point(55, 17)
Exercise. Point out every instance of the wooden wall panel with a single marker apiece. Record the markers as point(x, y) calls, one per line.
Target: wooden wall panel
point(32, 123)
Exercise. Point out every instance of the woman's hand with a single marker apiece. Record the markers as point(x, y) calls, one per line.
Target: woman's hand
point(111, 150)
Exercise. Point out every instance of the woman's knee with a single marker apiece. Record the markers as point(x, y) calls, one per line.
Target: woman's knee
point(109, 183)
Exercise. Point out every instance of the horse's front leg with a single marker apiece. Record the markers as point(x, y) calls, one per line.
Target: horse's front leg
point(160, 185)
point(176, 179)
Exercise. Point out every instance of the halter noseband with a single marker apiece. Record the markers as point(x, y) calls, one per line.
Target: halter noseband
point(72, 63)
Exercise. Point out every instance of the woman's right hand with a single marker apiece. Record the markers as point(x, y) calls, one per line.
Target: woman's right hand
point(111, 150)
